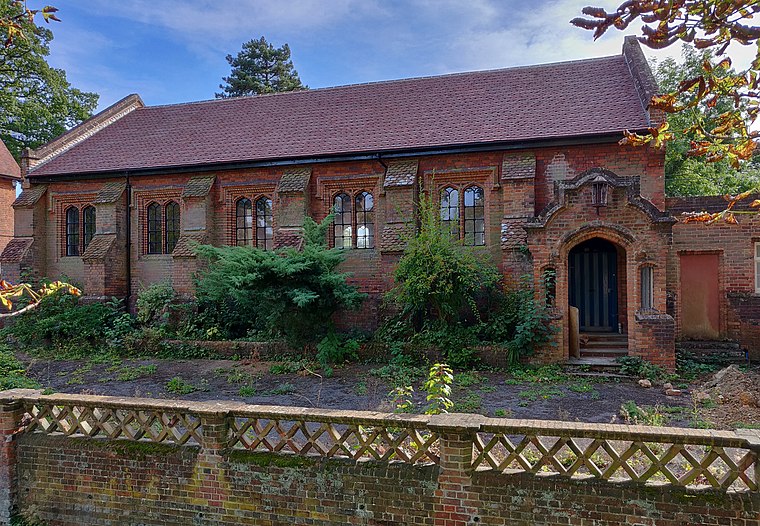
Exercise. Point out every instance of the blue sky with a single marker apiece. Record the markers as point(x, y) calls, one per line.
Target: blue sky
point(172, 51)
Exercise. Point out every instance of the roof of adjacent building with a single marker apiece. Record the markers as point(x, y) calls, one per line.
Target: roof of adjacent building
point(521, 104)
point(8, 165)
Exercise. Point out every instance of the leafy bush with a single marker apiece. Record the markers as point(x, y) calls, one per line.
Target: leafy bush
point(67, 325)
point(288, 292)
point(154, 302)
point(333, 349)
point(437, 278)
point(637, 366)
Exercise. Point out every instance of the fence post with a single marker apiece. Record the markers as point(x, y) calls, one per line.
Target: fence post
point(11, 418)
point(455, 505)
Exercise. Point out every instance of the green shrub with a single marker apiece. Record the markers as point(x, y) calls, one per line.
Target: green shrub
point(437, 278)
point(67, 325)
point(637, 366)
point(287, 292)
point(334, 349)
point(154, 304)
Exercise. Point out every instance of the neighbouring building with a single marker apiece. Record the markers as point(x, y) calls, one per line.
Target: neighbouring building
point(524, 163)
point(10, 175)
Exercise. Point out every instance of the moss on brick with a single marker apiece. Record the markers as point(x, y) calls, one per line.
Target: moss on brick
point(263, 459)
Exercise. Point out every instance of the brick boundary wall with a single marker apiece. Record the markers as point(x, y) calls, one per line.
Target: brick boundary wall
point(93, 460)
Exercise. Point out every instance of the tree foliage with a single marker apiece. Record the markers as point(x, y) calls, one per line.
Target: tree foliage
point(260, 68)
point(287, 292)
point(16, 23)
point(689, 175)
point(708, 24)
point(37, 102)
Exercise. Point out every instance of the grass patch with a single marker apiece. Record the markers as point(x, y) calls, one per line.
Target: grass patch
point(398, 375)
point(247, 391)
point(543, 392)
point(13, 373)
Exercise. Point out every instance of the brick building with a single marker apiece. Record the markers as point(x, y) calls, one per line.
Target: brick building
point(10, 174)
point(524, 162)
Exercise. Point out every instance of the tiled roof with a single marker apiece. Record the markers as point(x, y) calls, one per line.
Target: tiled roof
point(199, 186)
point(110, 193)
point(294, 180)
point(518, 165)
point(401, 173)
point(569, 99)
point(99, 246)
point(8, 165)
point(185, 247)
point(30, 196)
point(16, 249)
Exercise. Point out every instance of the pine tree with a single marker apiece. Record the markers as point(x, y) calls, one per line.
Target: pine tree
point(260, 68)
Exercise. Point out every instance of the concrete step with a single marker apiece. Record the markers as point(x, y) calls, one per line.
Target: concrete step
point(604, 336)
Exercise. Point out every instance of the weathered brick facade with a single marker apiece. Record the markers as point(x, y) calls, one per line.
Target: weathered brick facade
point(541, 202)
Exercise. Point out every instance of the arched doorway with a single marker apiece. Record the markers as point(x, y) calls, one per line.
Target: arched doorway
point(593, 285)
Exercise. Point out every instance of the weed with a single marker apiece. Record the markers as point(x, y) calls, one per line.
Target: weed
point(289, 367)
point(543, 392)
point(398, 375)
point(503, 413)
point(541, 374)
point(643, 415)
point(128, 374)
point(747, 425)
point(470, 403)
point(247, 391)
point(179, 386)
point(585, 386)
point(401, 398)
point(469, 379)
point(13, 373)
point(282, 389)
point(77, 376)
point(361, 388)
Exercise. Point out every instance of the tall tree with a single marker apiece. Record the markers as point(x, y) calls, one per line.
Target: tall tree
point(37, 103)
point(690, 175)
point(260, 68)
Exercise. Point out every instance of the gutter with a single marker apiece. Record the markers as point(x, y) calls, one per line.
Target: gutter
point(606, 138)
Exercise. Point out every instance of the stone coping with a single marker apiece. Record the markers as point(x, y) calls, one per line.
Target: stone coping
point(743, 438)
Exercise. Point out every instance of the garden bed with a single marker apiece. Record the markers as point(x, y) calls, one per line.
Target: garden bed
point(538, 394)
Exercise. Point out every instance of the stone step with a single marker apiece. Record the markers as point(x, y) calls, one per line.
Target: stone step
point(603, 336)
point(604, 352)
point(598, 364)
point(605, 344)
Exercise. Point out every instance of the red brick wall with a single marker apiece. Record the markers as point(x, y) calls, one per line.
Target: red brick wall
point(78, 481)
point(734, 244)
point(7, 196)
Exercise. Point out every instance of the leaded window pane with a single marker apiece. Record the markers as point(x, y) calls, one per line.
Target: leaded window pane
point(72, 231)
point(264, 223)
point(172, 226)
point(154, 229)
point(244, 223)
point(365, 220)
point(342, 222)
point(88, 226)
point(450, 211)
point(474, 217)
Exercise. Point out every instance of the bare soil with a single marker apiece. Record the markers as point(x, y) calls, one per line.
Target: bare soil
point(353, 387)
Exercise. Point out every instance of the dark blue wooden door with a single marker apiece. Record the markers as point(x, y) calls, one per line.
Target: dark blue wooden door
point(593, 285)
